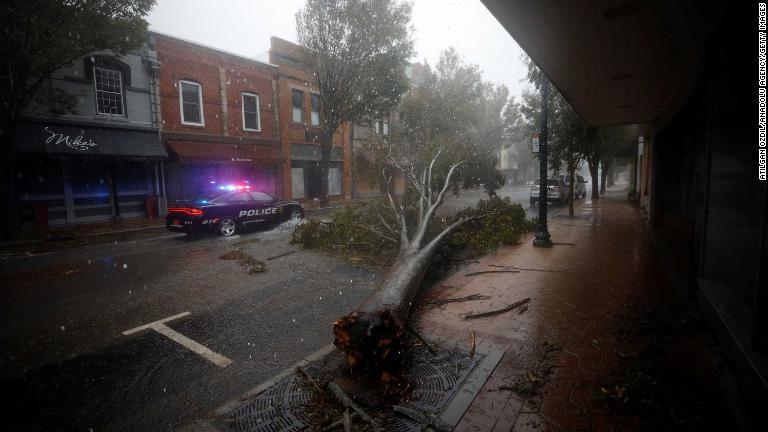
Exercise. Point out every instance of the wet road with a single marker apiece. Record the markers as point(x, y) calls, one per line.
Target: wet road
point(516, 194)
point(66, 362)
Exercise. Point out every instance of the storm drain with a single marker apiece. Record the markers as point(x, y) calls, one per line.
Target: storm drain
point(286, 406)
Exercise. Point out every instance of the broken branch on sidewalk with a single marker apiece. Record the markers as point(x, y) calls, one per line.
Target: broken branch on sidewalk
point(497, 311)
point(348, 403)
point(511, 267)
point(491, 271)
point(425, 420)
point(308, 378)
point(422, 339)
point(471, 344)
point(443, 302)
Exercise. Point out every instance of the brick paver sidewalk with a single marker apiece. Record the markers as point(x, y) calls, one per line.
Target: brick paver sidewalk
point(564, 338)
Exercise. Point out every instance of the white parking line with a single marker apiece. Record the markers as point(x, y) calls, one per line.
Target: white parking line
point(160, 327)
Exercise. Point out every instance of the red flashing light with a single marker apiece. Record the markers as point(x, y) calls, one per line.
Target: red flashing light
point(187, 210)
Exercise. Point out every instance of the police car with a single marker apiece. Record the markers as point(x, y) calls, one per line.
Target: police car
point(227, 211)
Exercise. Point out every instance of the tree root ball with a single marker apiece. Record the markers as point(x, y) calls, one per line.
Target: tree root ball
point(372, 341)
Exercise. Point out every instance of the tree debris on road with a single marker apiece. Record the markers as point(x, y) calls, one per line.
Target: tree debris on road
point(251, 264)
point(280, 255)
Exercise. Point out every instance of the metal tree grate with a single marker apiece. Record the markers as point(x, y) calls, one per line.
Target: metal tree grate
point(285, 406)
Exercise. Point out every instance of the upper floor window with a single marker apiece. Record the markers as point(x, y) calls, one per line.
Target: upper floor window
point(381, 125)
point(251, 120)
point(298, 106)
point(315, 114)
point(109, 91)
point(191, 96)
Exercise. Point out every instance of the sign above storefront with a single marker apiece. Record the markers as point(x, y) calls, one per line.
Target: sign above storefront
point(77, 143)
point(240, 159)
point(58, 137)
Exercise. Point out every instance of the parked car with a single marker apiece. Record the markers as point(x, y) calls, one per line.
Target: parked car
point(556, 191)
point(581, 186)
point(228, 211)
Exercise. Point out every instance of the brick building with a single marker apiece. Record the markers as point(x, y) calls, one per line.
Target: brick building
point(220, 119)
point(299, 118)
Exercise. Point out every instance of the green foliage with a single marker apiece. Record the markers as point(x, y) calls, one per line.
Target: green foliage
point(352, 231)
point(452, 109)
point(497, 222)
point(357, 51)
point(349, 232)
point(37, 37)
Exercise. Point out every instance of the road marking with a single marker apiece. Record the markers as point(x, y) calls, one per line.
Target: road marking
point(162, 321)
point(160, 327)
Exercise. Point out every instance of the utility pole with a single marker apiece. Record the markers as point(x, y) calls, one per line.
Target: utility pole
point(542, 233)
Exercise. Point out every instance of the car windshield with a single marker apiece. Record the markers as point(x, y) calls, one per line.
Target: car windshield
point(550, 182)
point(207, 198)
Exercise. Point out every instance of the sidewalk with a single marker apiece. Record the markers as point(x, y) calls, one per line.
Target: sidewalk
point(40, 240)
point(565, 341)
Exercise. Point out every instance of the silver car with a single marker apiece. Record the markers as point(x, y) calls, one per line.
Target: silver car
point(556, 191)
point(581, 186)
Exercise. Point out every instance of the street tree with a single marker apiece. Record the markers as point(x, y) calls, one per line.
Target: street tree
point(37, 37)
point(615, 141)
point(358, 51)
point(449, 135)
point(517, 136)
point(593, 154)
point(454, 104)
point(569, 142)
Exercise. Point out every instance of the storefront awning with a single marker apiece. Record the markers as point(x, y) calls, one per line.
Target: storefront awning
point(203, 152)
point(67, 138)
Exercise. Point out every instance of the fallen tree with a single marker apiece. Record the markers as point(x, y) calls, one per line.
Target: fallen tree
point(372, 335)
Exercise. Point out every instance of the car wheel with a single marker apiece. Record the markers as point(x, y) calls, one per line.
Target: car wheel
point(295, 215)
point(227, 226)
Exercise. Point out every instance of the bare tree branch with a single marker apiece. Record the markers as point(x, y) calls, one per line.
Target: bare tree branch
point(429, 174)
point(384, 222)
point(399, 212)
point(424, 223)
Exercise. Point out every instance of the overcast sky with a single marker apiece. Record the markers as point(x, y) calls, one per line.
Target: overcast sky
point(245, 26)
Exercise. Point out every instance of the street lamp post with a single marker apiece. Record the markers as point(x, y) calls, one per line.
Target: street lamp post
point(542, 233)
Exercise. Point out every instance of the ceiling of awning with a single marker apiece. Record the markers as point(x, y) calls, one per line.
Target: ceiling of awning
point(617, 62)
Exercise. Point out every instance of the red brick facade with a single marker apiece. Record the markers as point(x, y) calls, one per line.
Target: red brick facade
point(215, 71)
point(293, 76)
point(220, 149)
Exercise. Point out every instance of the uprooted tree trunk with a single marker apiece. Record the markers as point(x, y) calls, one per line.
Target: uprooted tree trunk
point(372, 335)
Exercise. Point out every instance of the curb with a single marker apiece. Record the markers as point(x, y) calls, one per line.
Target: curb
point(37, 241)
point(234, 403)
